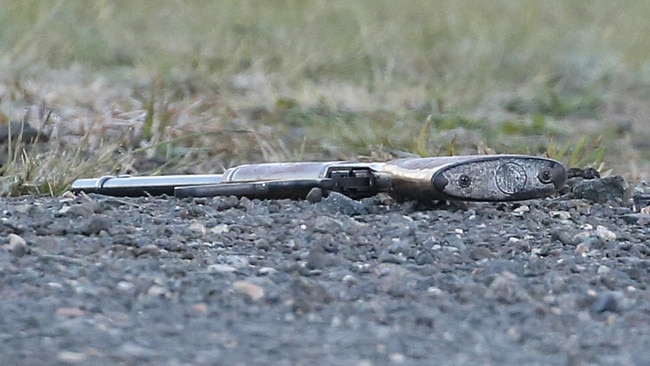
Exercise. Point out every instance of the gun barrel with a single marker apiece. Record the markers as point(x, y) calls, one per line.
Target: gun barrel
point(134, 186)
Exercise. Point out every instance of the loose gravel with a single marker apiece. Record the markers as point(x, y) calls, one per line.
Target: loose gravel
point(160, 281)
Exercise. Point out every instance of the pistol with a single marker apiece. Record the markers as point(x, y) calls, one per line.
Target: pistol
point(465, 178)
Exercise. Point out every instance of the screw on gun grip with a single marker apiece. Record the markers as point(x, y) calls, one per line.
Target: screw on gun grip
point(464, 181)
point(555, 174)
point(545, 176)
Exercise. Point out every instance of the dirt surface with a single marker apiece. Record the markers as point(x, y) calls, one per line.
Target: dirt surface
point(159, 281)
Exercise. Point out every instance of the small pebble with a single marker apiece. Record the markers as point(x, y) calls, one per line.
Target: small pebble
point(341, 203)
point(315, 195)
point(254, 292)
point(199, 309)
point(397, 358)
point(562, 215)
point(217, 267)
point(582, 249)
point(219, 229)
point(95, 224)
point(71, 312)
point(150, 249)
point(71, 357)
point(521, 210)
point(125, 286)
point(563, 237)
point(605, 302)
point(349, 280)
point(266, 271)
point(133, 350)
point(156, 290)
point(505, 288)
point(17, 245)
point(198, 227)
point(605, 234)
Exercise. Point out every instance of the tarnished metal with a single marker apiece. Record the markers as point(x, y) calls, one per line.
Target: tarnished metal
point(470, 178)
point(277, 171)
point(133, 186)
point(507, 178)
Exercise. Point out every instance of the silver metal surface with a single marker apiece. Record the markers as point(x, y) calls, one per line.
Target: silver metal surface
point(141, 185)
point(503, 178)
point(277, 171)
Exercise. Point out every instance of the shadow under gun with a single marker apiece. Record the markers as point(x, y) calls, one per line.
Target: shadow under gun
point(465, 178)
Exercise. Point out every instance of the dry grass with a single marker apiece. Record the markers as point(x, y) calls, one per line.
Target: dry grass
point(198, 86)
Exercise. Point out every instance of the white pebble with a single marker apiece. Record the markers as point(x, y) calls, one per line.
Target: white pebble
point(349, 279)
point(266, 271)
point(602, 270)
point(605, 234)
point(253, 291)
point(71, 357)
point(220, 229)
point(157, 291)
point(397, 357)
point(562, 215)
point(221, 268)
point(198, 227)
point(16, 240)
point(521, 210)
point(125, 286)
point(582, 249)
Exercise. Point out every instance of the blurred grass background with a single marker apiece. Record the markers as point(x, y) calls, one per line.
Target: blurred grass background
point(198, 86)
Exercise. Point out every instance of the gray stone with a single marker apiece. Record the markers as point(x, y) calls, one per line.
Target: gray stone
point(340, 203)
point(612, 190)
point(605, 302)
point(17, 245)
point(94, 225)
point(315, 195)
point(637, 218)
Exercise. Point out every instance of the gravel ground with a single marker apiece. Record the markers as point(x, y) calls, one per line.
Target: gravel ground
point(159, 281)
